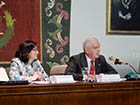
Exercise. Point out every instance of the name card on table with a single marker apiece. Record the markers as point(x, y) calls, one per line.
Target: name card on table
point(108, 77)
point(61, 79)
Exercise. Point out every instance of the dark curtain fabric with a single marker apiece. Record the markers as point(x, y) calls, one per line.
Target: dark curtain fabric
point(56, 32)
point(125, 15)
point(19, 21)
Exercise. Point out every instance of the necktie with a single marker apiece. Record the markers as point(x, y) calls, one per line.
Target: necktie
point(92, 69)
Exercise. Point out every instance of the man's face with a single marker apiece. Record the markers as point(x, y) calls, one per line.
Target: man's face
point(94, 51)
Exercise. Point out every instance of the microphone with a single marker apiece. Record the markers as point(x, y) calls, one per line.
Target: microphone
point(116, 60)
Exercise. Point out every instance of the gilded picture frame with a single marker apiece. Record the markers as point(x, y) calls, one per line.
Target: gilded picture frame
point(122, 17)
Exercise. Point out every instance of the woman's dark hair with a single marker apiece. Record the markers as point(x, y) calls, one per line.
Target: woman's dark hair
point(24, 49)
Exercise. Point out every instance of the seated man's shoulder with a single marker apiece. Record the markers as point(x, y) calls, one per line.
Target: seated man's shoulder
point(77, 56)
point(101, 57)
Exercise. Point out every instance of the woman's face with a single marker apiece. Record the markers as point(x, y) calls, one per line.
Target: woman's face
point(33, 54)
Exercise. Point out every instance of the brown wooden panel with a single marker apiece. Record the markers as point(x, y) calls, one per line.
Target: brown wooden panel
point(118, 93)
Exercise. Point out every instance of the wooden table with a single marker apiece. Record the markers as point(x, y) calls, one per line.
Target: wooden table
point(117, 93)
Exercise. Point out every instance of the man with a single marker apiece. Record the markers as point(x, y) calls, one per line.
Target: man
point(91, 47)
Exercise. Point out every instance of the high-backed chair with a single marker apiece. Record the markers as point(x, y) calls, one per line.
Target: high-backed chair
point(58, 70)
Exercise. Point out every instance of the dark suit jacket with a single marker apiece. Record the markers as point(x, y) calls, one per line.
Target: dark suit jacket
point(77, 62)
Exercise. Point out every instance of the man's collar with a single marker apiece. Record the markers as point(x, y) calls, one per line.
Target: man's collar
point(88, 59)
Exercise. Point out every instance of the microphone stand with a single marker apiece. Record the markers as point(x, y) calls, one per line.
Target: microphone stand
point(136, 75)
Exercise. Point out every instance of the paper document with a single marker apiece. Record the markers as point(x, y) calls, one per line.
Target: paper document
point(3, 75)
point(40, 82)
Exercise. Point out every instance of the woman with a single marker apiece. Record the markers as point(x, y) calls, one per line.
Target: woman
point(25, 65)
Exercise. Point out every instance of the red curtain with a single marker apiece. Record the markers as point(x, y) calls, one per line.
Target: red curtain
point(26, 16)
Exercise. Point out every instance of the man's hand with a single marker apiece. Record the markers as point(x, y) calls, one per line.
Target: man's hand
point(90, 77)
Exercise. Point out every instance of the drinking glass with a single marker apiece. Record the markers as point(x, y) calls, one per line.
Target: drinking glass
point(84, 72)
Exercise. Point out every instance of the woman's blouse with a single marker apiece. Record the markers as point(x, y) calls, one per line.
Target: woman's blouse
point(19, 70)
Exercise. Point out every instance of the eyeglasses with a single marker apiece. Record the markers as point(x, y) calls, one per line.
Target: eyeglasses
point(95, 48)
point(35, 49)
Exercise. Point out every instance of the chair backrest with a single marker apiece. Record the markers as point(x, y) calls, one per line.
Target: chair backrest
point(58, 70)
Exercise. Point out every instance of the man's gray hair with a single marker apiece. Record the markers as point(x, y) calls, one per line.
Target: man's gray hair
point(87, 43)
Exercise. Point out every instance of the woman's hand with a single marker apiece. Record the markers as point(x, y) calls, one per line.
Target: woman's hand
point(37, 76)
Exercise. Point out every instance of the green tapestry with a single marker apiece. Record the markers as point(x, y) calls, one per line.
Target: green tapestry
point(55, 32)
